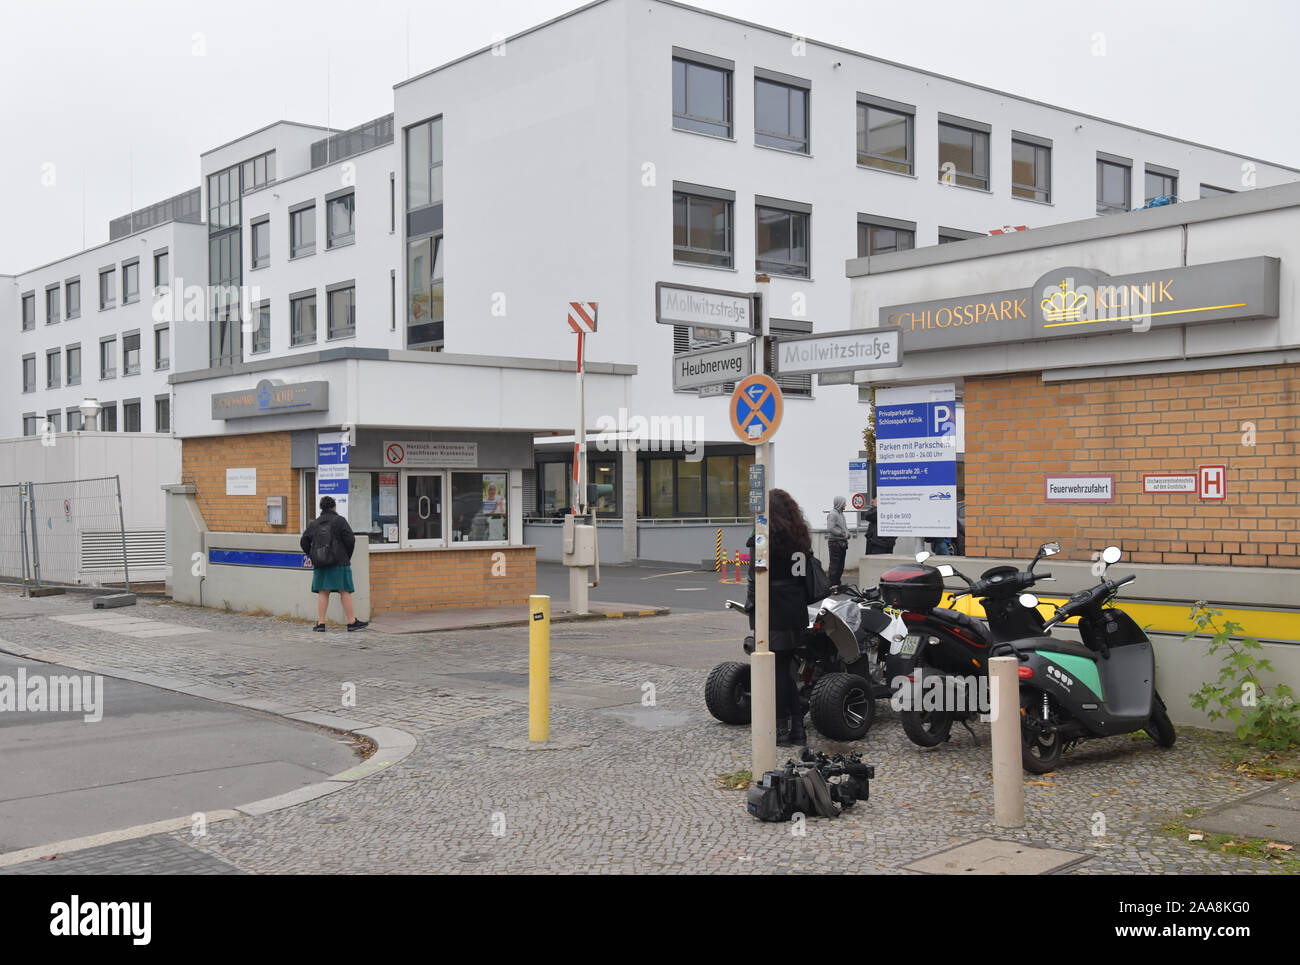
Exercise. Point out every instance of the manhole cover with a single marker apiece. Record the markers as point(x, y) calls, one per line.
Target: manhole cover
point(990, 856)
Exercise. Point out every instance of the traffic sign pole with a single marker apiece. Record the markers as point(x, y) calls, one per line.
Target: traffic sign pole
point(762, 673)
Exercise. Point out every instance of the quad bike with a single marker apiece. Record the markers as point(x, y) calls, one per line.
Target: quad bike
point(839, 666)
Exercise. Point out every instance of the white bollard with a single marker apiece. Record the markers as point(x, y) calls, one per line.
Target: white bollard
point(1008, 773)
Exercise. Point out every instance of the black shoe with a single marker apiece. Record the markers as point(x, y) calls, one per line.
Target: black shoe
point(319, 628)
point(358, 625)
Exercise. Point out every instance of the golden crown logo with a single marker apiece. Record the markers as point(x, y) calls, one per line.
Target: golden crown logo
point(1067, 305)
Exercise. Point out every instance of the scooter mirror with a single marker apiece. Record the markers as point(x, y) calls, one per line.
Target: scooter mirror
point(946, 570)
point(1111, 554)
point(922, 557)
point(1050, 549)
point(1028, 601)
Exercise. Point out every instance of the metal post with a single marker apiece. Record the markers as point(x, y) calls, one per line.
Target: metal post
point(22, 534)
point(539, 668)
point(121, 520)
point(1008, 776)
point(36, 551)
point(762, 683)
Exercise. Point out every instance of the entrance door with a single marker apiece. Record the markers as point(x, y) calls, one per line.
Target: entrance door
point(423, 507)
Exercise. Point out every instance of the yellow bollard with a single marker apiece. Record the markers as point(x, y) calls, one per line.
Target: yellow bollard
point(539, 668)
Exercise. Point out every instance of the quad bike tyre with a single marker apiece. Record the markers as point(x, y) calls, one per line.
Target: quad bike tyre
point(842, 706)
point(726, 693)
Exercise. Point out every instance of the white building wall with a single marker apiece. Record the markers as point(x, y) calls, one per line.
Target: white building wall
point(185, 244)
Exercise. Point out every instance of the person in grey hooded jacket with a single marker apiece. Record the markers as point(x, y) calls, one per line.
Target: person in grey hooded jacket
point(837, 536)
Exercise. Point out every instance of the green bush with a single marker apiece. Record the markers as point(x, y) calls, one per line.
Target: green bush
point(1264, 718)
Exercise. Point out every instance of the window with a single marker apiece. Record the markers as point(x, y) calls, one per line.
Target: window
point(161, 347)
point(1210, 191)
point(130, 283)
point(1031, 167)
point(302, 231)
point(781, 239)
point(261, 242)
point(54, 421)
point(29, 373)
point(339, 221)
point(29, 311)
point(800, 385)
point(424, 164)
point(162, 414)
point(372, 505)
point(342, 311)
point(702, 227)
point(108, 359)
point(223, 200)
point(963, 152)
point(131, 415)
point(131, 353)
point(780, 112)
point(302, 319)
point(262, 334)
point(886, 137)
point(29, 424)
point(225, 278)
point(478, 507)
point(424, 313)
point(161, 268)
point(52, 314)
point(1160, 182)
point(690, 488)
point(702, 94)
point(879, 236)
point(555, 488)
point(72, 293)
point(1114, 177)
point(258, 171)
point(948, 235)
point(74, 364)
point(53, 368)
point(108, 417)
point(75, 421)
point(107, 288)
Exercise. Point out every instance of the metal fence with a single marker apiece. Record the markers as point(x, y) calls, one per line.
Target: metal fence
point(72, 532)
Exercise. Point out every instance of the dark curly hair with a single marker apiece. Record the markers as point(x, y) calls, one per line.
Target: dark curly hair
point(789, 529)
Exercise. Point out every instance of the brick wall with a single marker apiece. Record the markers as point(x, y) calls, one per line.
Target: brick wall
point(1019, 429)
point(432, 579)
point(204, 463)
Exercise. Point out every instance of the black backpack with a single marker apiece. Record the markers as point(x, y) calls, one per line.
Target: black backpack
point(322, 544)
point(817, 584)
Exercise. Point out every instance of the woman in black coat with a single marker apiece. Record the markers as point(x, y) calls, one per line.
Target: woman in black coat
point(789, 553)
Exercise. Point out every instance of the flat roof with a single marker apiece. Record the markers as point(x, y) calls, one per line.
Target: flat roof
point(854, 53)
point(1254, 201)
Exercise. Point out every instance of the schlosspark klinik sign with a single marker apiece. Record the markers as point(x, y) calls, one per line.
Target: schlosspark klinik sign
point(916, 460)
point(332, 456)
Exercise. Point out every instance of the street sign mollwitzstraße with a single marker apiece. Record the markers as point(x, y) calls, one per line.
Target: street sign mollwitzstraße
point(857, 348)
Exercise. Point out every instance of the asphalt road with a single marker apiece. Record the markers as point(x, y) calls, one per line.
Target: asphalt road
point(154, 755)
point(673, 585)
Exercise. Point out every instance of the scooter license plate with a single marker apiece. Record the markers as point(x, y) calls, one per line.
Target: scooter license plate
point(910, 644)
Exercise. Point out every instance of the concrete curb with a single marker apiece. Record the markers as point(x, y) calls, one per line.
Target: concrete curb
point(392, 746)
point(521, 623)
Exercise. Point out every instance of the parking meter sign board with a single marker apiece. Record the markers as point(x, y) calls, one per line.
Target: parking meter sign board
point(756, 408)
point(916, 460)
point(758, 489)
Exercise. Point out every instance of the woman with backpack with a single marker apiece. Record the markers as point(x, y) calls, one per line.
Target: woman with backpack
point(790, 552)
point(328, 541)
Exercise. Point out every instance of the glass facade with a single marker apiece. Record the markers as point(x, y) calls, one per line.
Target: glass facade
point(425, 242)
point(424, 310)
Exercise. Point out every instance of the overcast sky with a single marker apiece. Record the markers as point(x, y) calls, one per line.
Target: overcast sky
point(116, 100)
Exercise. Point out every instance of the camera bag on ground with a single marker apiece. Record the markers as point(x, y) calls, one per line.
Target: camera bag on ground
point(816, 786)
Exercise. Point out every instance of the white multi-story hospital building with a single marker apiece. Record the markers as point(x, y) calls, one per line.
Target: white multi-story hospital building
point(625, 144)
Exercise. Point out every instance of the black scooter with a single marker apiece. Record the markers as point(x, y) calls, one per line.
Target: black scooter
point(1070, 692)
point(939, 667)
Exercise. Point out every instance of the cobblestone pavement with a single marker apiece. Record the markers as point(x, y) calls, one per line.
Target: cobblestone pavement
point(158, 855)
point(624, 787)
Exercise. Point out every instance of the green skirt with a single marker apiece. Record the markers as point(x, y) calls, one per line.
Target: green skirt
point(333, 578)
